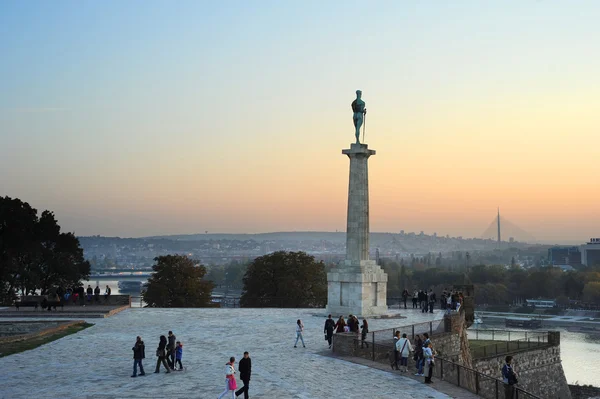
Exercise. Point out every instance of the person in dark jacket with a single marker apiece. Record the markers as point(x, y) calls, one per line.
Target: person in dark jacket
point(97, 294)
point(328, 329)
point(171, 348)
point(405, 297)
point(365, 331)
point(90, 293)
point(139, 353)
point(245, 369)
point(161, 354)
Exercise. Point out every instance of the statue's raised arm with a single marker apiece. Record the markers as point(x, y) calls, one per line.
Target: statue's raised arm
point(359, 110)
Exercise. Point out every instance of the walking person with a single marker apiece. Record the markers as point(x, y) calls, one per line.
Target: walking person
point(404, 349)
point(107, 293)
point(178, 354)
point(328, 330)
point(230, 383)
point(171, 350)
point(139, 353)
point(161, 354)
point(364, 332)
point(245, 368)
point(429, 361)
point(299, 330)
point(396, 355)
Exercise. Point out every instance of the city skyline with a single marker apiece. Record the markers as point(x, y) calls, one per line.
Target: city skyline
point(141, 121)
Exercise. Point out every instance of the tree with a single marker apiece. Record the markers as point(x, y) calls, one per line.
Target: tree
point(591, 292)
point(34, 254)
point(285, 280)
point(177, 282)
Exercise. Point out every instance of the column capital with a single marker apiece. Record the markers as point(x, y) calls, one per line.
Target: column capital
point(356, 149)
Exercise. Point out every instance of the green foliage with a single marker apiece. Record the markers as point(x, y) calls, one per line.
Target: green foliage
point(177, 283)
point(491, 293)
point(591, 291)
point(230, 275)
point(285, 280)
point(34, 254)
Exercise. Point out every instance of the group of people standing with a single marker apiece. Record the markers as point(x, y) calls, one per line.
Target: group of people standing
point(424, 355)
point(169, 353)
point(353, 325)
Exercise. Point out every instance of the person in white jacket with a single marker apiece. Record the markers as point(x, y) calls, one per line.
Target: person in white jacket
point(230, 383)
point(404, 349)
point(299, 330)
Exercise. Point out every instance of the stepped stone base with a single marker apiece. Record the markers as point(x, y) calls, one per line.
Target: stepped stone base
point(359, 290)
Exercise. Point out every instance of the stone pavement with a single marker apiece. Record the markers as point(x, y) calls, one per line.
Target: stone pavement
point(97, 362)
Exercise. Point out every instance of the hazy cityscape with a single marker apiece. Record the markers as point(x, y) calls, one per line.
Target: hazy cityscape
point(379, 200)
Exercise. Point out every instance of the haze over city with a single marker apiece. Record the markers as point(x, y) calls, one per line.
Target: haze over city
point(130, 119)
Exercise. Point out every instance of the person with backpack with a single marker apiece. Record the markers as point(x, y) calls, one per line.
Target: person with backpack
point(230, 383)
point(161, 354)
point(138, 354)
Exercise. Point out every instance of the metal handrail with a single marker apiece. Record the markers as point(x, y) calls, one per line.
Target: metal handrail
point(519, 392)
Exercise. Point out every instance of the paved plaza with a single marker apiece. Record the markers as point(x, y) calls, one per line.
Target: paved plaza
point(97, 362)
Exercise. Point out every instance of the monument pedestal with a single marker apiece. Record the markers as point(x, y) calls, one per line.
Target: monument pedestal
point(362, 293)
point(359, 286)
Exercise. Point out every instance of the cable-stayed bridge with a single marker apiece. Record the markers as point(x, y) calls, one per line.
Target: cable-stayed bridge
point(506, 229)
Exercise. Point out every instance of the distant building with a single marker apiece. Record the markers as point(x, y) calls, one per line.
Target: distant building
point(511, 239)
point(564, 256)
point(541, 303)
point(590, 252)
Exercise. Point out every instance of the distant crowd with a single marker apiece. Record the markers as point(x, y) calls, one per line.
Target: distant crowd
point(450, 300)
point(76, 295)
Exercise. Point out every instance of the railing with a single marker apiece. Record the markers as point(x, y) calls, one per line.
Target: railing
point(502, 335)
point(507, 342)
point(429, 327)
point(478, 383)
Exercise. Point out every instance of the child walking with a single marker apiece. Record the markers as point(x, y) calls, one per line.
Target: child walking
point(178, 355)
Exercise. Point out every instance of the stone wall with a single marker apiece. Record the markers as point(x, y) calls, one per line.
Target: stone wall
point(113, 300)
point(539, 371)
point(584, 392)
point(12, 328)
point(32, 329)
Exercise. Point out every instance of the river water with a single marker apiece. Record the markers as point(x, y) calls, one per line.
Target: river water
point(579, 351)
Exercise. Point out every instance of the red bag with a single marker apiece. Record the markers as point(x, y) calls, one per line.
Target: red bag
point(232, 384)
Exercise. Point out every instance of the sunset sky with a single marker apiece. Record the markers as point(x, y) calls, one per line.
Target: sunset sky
point(138, 118)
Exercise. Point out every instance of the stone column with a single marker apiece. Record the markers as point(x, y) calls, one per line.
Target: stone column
point(359, 286)
point(357, 228)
